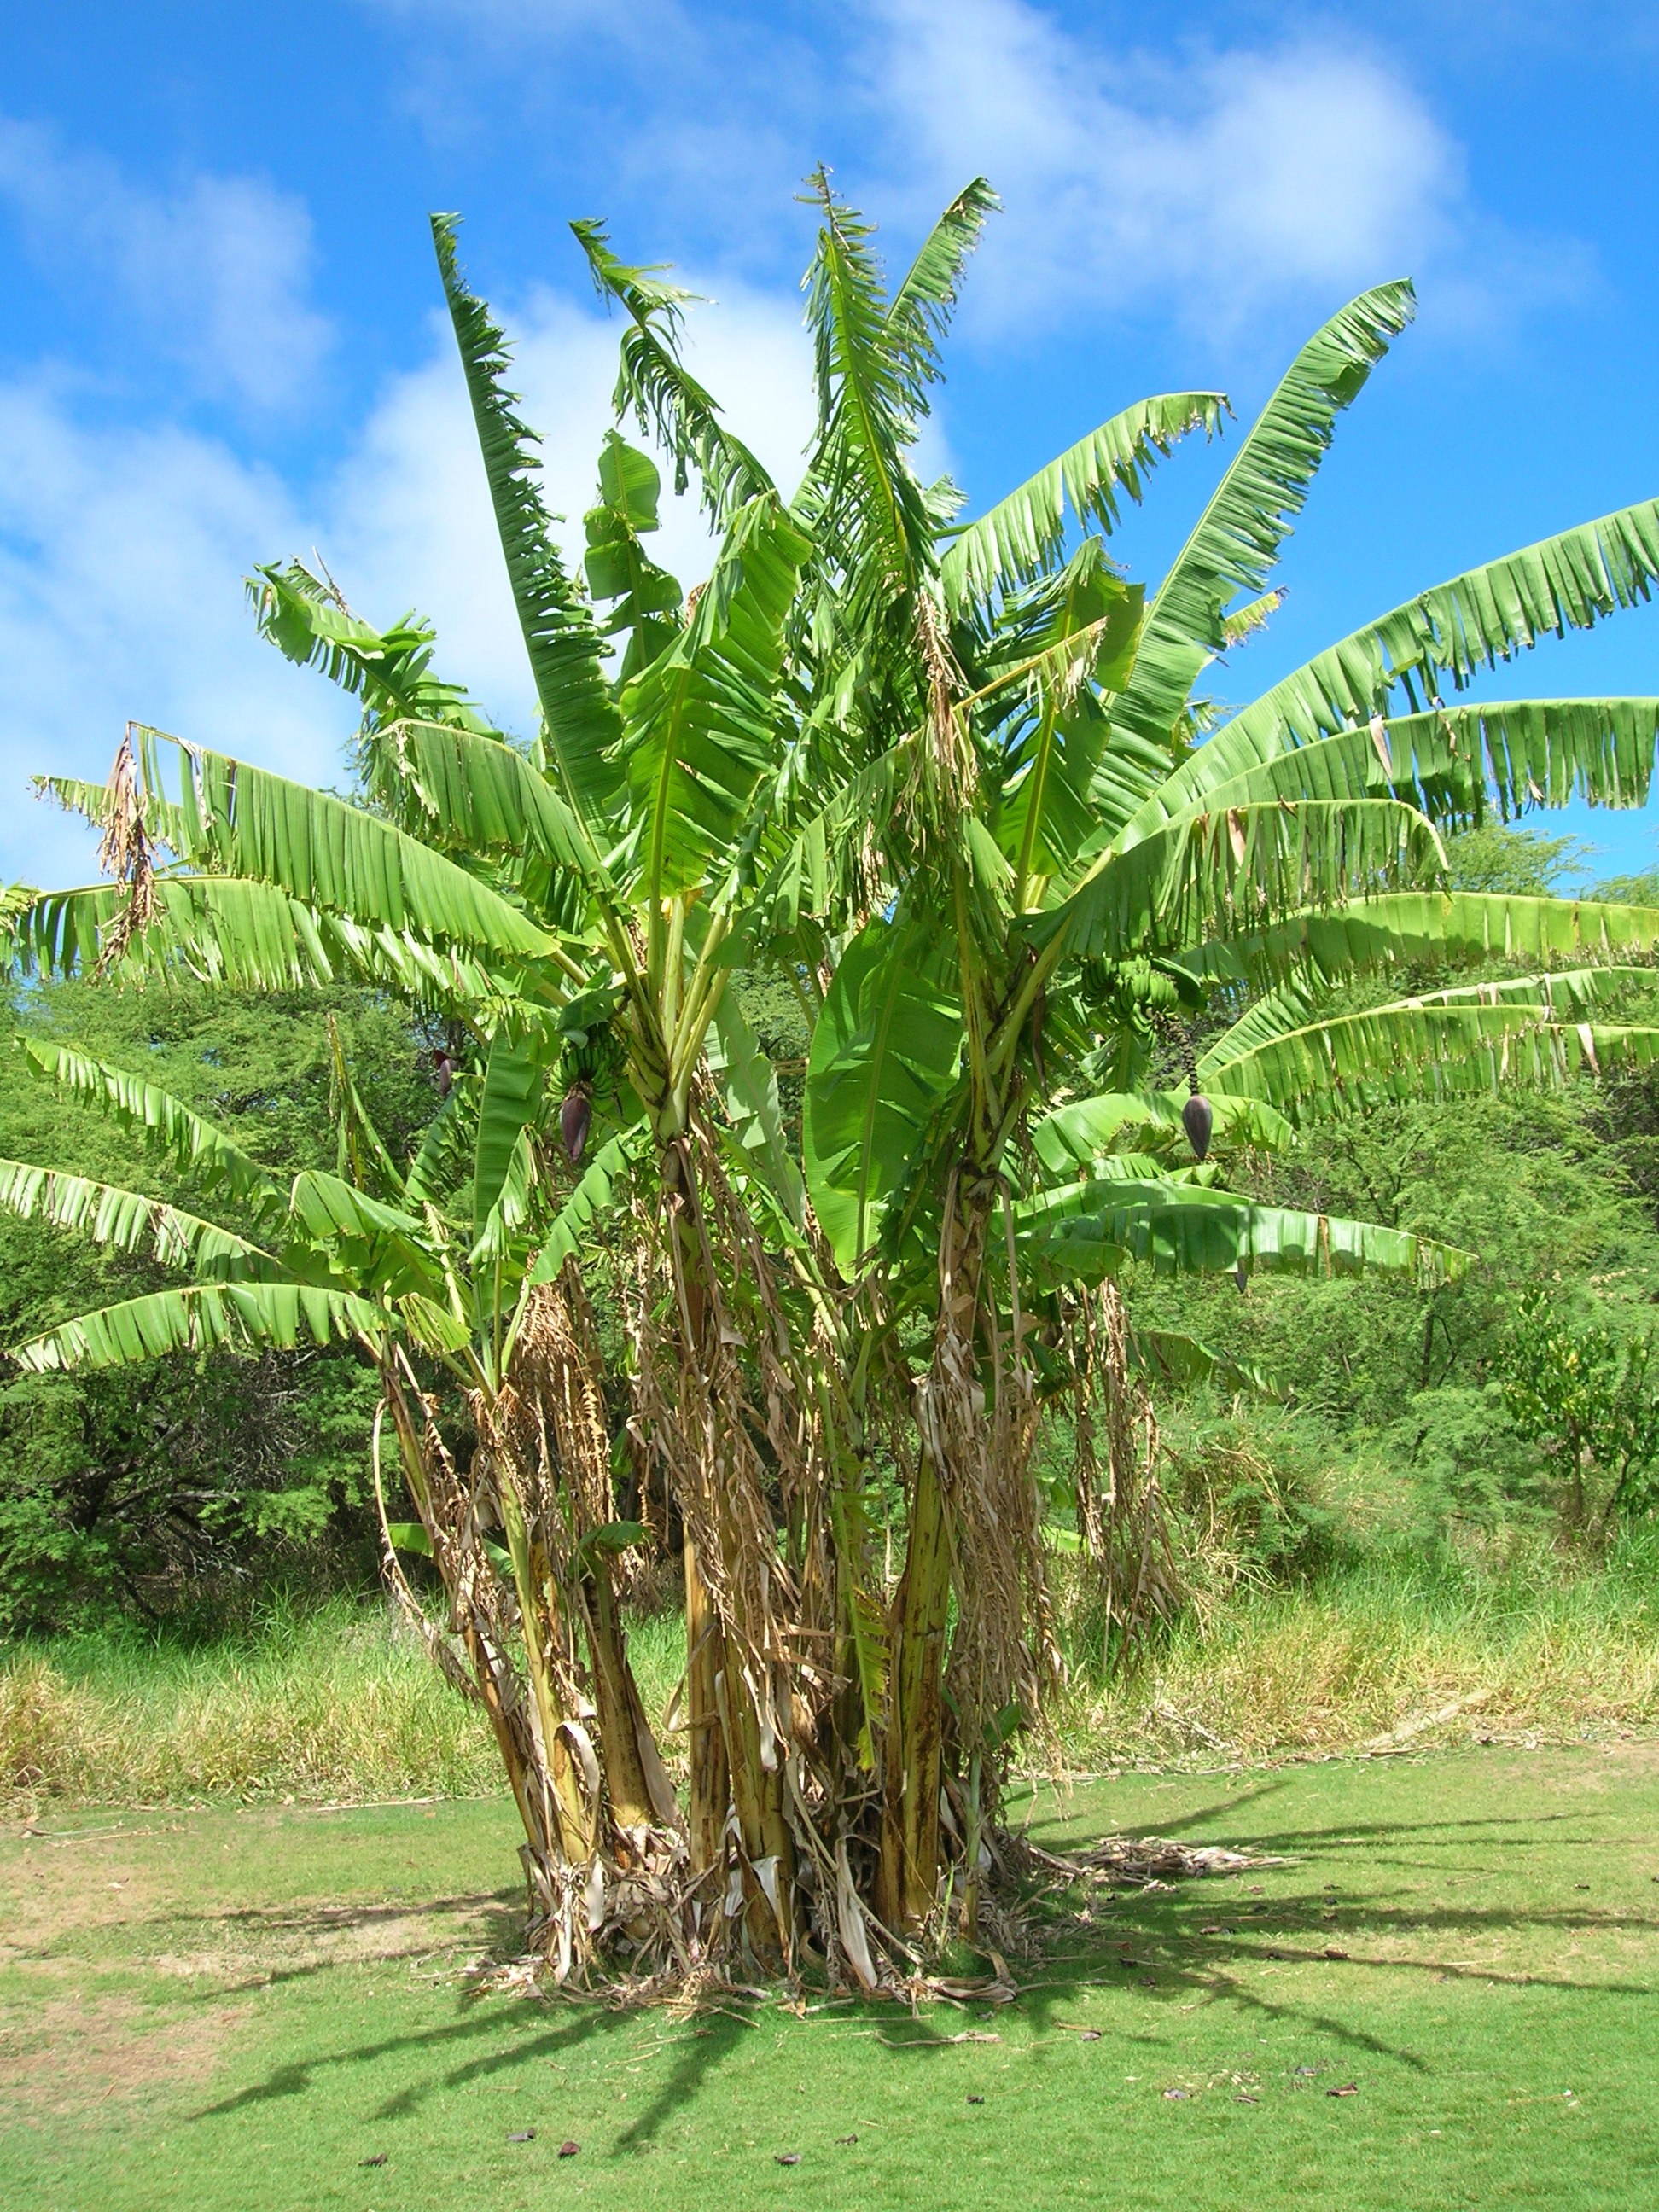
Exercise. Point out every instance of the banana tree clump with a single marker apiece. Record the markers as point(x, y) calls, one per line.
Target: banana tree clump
point(953, 785)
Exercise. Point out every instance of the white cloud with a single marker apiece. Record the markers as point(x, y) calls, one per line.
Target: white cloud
point(122, 552)
point(1216, 184)
point(411, 515)
point(121, 558)
point(1223, 186)
point(1218, 187)
point(214, 275)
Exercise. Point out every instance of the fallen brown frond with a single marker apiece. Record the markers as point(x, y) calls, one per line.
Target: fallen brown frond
point(1146, 1861)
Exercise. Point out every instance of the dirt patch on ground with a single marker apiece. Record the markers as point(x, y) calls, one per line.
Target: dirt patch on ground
point(171, 1895)
point(97, 1884)
point(1591, 1769)
point(259, 1942)
point(65, 2053)
point(135, 1952)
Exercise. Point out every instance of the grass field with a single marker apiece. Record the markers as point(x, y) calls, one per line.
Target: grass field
point(239, 2007)
point(330, 1703)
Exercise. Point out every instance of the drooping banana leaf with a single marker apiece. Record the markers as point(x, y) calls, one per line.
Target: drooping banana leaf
point(92, 801)
point(1092, 1230)
point(1295, 1004)
point(443, 1160)
point(241, 821)
point(500, 1239)
point(480, 797)
point(1023, 534)
point(241, 1316)
point(1168, 1356)
point(1570, 581)
point(1202, 872)
point(1405, 928)
point(1237, 536)
point(1535, 752)
point(129, 1221)
point(1426, 1049)
point(250, 936)
point(1081, 1133)
point(821, 860)
point(390, 670)
point(1449, 762)
point(1446, 762)
point(653, 384)
point(165, 1124)
point(1084, 643)
point(360, 1155)
point(378, 1247)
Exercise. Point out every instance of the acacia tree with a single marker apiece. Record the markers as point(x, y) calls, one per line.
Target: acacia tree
point(954, 785)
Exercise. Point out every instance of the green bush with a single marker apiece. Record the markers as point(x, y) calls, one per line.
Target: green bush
point(196, 1485)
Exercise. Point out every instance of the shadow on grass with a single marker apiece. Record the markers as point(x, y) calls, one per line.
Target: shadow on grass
point(301, 2075)
point(493, 1904)
point(492, 1921)
point(702, 2043)
point(1218, 1818)
point(1161, 1953)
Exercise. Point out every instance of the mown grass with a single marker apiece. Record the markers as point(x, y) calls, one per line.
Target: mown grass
point(260, 2007)
point(341, 1704)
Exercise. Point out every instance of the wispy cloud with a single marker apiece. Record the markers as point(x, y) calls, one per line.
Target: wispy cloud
point(122, 550)
point(1215, 186)
point(212, 277)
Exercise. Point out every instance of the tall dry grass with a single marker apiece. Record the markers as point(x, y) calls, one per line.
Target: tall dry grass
point(341, 1704)
point(1527, 1646)
point(335, 1703)
point(336, 1706)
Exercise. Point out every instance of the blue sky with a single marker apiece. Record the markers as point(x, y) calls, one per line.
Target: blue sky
point(221, 343)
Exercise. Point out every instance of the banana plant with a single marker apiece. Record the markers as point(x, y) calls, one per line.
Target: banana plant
point(463, 1320)
point(1106, 862)
point(954, 782)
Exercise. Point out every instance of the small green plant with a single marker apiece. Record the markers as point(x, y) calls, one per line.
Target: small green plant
point(1584, 1394)
point(1472, 1470)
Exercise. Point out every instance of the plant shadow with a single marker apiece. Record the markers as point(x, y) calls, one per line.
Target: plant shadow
point(1305, 1955)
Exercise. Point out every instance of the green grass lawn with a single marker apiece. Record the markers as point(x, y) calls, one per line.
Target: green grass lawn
point(237, 2008)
